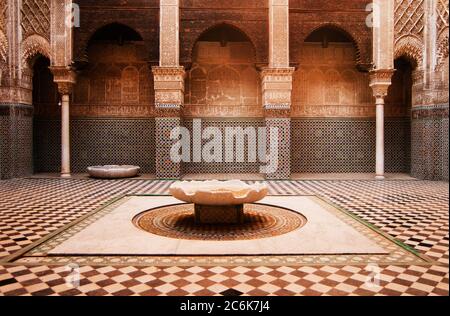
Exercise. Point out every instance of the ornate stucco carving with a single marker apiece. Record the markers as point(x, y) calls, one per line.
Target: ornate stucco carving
point(223, 81)
point(169, 86)
point(327, 83)
point(362, 55)
point(3, 46)
point(36, 18)
point(410, 46)
point(33, 45)
point(442, 46)
point(3, 38)
point(65, 78)
point(277, 86)
point(409, 17)
point(380, 81)
point(442, 15)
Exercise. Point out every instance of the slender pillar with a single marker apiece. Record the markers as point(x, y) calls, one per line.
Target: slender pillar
point(169, 90)
point(380, 76)
point(380, 80)
point(277, 87)
point(65, 135)
point(65, 79)
point(379, 170)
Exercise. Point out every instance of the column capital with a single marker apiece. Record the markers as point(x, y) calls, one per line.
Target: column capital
point(169, 90)
point(277, 72)
point(276, 91)
point(64, 77)
point(380, 81)
point(165, 71)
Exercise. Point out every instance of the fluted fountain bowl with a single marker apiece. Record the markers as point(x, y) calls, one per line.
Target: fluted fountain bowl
point(217, 193)
point(113, 171)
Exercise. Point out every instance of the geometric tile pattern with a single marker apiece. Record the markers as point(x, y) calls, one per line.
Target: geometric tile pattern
point(393, 253)
point(283, 127)
point(16, 137)
point(116, 141)
point(316, 146)
point(165, 167)
point(414, 212)
point(224, 167)
point(343, 145)
point(430, 146)
point(259, 221)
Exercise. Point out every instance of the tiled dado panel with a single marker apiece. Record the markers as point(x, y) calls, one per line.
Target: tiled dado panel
point(16, 140)
point(96, 142)
point(346, 145)
point(223, 167)
point(430, 143)
point(165, 167)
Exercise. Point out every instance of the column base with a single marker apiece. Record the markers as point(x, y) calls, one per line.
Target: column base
point(377, 177)
point(66, 175)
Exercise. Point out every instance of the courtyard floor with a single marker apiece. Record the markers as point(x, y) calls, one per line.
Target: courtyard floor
point(411, 211)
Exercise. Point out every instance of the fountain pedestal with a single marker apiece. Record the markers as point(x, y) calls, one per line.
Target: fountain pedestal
point(219, 202)
point(219, 214)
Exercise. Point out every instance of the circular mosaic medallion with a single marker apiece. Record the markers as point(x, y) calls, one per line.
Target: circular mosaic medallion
point(260, 221)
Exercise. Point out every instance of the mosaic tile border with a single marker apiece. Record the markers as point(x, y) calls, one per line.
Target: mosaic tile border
point(399, 253)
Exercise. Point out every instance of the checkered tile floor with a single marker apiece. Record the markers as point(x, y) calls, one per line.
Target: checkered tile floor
point(414, 212)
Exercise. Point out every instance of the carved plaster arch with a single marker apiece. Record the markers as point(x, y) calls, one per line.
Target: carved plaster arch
point(411, 47)
point(32, 46)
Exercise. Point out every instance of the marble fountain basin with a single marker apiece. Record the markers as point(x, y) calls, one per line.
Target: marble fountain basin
point(218, 202)
point(113, 171)
point(215, 192)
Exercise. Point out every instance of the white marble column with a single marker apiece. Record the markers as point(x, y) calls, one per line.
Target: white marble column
point(65, 135)
point(61, 42)
point(380, 76)
point(64, 77)
point(379, 169)
point(380, 80)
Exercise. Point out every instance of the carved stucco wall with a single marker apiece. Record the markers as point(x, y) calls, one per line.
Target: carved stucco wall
point(36, 18)
point(111, 113)
point(3, 39)
point(327, 83)
point(442, 13)
point(117, 83)
point(141, 16)
point(250, 16)
point(223, 81)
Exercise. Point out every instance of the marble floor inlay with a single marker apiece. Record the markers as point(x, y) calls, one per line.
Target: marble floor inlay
point(412, 212)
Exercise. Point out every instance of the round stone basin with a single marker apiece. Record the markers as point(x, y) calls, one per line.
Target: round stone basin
point(113, 171)
point(234, 192)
